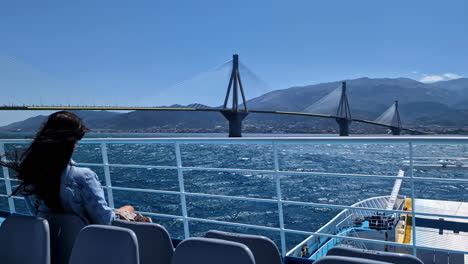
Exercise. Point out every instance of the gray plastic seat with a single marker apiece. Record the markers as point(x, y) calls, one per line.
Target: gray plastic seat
point(347, 260)
point(24, 239)
point(64, 229)
point(263, 249)
point(154, 242)
point(101, 244)
point(391, 257)
point(212, 251)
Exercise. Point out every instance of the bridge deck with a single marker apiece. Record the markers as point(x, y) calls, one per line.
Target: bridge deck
point(129, 108)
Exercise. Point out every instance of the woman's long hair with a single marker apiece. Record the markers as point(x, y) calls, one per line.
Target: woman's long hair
point(40, 167)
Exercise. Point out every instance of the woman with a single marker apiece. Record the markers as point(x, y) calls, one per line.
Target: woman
point(51, 182)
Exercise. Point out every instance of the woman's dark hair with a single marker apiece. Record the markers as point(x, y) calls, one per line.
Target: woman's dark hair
point(40, 167)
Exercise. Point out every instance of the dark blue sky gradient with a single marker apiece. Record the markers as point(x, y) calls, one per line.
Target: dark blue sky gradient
point(132, 52)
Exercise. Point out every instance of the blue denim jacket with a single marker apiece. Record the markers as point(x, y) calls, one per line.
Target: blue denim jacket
point(80, 193)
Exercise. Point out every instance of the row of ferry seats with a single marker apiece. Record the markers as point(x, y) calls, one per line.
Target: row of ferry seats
point(24, 239)
point(155, 246)
point(127, 243)
point(154, 242)
point(27, 239)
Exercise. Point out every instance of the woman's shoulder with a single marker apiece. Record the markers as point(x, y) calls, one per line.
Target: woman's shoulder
point(79, 174)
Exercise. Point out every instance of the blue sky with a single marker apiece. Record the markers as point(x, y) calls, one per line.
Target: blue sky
point(135, 52)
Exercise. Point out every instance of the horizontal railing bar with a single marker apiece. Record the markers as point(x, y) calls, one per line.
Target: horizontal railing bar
point(449, 158)
point(233, 224)
point(265, 200)
point(341, 175)
point(438, 166)
point(192, 194)
point(342, 207)
point(229, 197)
point(347, 175)
point(14, 197)
point(448, 180)
point(268, 140)
point(300, 232)
point(319, 205)
point(242, 170)
point(10, 179)
point(159, 215)
point(298, 203)
point(274, 201)
point(384, 177)
point(128, 166)
point(141, 190)
point(304, 173)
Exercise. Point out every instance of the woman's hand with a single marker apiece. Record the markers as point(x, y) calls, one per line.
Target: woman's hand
point(128, 208)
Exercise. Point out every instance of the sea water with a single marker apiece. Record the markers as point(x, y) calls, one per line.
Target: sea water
point(369, 159)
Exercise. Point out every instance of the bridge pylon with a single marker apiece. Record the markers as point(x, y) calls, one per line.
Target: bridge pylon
point(344, 112)
point(234, 115)
point(396, 122)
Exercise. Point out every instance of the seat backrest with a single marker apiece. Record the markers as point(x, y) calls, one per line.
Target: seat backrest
point(101, 244)
point(263, 249)
point(211, 251)
point(375, 255)
point(347, 260)
point(24, 239)
point(64, 229)
point(154, 242)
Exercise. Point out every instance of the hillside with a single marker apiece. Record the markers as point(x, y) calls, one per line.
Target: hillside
point(441, 104)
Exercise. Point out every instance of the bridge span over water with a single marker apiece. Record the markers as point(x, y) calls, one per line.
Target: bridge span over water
point(334, 105)
point(127, 108)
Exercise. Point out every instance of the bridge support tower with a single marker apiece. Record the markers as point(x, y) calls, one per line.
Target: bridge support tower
point(343, 124)
point(234, 115)
point(344, 112)
point(396, 130)
point(235, 122)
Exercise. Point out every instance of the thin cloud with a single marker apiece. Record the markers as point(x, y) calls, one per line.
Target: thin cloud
point(425, 78)
point(431, 78)
point(452, 76)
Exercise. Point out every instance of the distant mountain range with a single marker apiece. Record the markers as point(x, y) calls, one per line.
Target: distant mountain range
point(440, 104)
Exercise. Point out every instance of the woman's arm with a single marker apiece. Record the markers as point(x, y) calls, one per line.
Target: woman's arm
point(94, 202)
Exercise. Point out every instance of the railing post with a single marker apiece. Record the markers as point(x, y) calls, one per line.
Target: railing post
point(105, 161)
point(6, 176)
point(183, 201)
point(279, 197)
point(413, 217)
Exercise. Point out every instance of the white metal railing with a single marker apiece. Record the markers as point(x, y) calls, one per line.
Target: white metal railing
point(276, 171)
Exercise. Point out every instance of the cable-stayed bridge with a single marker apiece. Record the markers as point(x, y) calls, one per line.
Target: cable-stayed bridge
point(334, 105)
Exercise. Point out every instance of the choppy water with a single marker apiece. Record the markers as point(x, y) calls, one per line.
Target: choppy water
point(362, 159)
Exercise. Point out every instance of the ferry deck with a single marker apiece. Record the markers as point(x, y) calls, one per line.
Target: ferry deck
point(436, 231)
